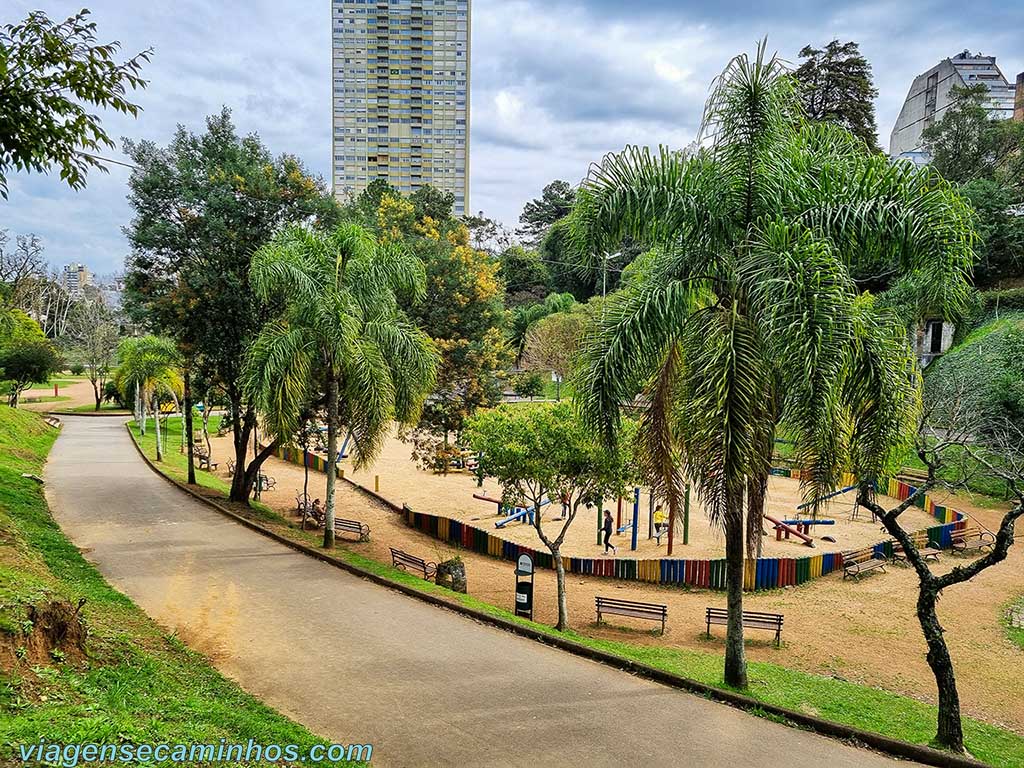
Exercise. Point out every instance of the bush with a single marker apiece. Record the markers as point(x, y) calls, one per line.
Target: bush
point(77, 369)
point(528, 385)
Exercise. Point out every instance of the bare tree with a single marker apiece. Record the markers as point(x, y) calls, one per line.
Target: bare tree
point(20, 267)
point(553, 343)
point(951, 436)
point(92, 339)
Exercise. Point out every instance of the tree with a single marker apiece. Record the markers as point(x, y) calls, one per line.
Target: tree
point(529, 384)
point(462, 312)
point(93, 334)
point(951, 431)
point(1000, 229)
point(745, 317)
point(50, 74)
point(553, 344)
point(837, 87)
point(20, 268)
point(26, 356)
point(341, 331)
point(487, 234)
point(430, 202)
point(554, 203)
point(202, 206)
point(545, 453)
point(525, 277)
point(969, 143)
point(521, 319)
point(148, 370)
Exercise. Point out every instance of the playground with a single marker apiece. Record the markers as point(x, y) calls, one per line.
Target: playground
point(458, 497)
point(841, 629)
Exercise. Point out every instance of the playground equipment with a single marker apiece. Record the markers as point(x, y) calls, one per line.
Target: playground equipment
point(783, 528)
point(827, 496)
point(804, 526)
point(523, 514)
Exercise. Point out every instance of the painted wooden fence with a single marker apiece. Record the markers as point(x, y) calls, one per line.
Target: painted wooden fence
point(763, 573)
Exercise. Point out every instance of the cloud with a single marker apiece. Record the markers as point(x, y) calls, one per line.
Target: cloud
point(555, 84)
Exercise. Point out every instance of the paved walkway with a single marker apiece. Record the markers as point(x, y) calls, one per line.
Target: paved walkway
point(357, 663)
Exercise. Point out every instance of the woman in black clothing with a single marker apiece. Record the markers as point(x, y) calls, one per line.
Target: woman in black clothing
point(608, 532)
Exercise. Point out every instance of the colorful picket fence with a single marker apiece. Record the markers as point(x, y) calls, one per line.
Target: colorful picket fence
point(763, 573)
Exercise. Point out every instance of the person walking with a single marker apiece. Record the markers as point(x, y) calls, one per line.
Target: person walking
point(608, 532)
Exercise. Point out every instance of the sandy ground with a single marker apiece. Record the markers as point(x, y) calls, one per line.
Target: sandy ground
point(852, 630)
point(401, 482)
point(80, 393)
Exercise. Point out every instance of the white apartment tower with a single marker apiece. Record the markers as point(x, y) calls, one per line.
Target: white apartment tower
point(401, 95)
point(930, 96)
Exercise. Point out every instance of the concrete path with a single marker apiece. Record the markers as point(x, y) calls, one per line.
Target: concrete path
point(357, 663)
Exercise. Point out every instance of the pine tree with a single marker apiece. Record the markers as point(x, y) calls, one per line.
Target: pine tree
point(837, 87)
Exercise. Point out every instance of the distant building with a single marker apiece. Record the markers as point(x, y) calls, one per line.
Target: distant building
point(1018, 109)
point(76, 278)
point(400, 73)
point(930, 96)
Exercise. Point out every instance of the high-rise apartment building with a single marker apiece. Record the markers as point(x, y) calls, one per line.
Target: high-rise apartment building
point(930, 96)
point(75, 278)
point(401, 95)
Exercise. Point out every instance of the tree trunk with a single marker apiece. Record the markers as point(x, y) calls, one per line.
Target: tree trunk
point(140, 411)
point(156, 422)
point(950, 729)
point(673, 515)
point(241, 428)
point(563, 601)
point(735, 657)
point(757, 489)
point(97, 394)
point(332, 459)
point(187, 405)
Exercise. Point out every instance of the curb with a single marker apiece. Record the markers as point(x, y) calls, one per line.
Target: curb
point(854, 736)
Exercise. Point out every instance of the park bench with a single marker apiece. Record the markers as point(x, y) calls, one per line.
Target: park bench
point(404, 561)
point(362, 530)
point(972, 538)
point(927, 553)
point(752, 619)
point(862, 561)
point(613, 605)
point(265, 482)
point(203, 457)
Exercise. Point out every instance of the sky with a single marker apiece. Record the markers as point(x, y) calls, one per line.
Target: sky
point(555, 84)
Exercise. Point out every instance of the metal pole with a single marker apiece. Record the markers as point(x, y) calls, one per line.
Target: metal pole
point(600, 518)
point(636, 516)
point(686, 516)
point(650, 513)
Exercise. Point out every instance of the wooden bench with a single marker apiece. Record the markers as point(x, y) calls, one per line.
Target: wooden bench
point(362, 530)
point(752, 619)
point(265, 482)
point(404, 561)
point(927, 553)
point(613, 605)
point(862, 561)
point(972, 538)
point(204, 459)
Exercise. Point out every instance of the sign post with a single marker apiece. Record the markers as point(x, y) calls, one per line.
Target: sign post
point(524, 587)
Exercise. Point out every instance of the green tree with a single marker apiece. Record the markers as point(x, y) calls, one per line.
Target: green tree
point(836, 86)
point(522, 318)
point(50, 75)
point(342, 332)
point(202, 206)
point(26, 356)
point(554, 203)
point(969, 143)
point(148, 370)
point(745, 316)
point(1000, 229)
point(546, 453)
point(526, 278)
point(429, 201)
point(529, 384)
point(463, 312)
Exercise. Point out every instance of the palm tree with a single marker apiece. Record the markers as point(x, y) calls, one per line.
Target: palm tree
point(744, 318)
point(341, 333)
point(148, 369)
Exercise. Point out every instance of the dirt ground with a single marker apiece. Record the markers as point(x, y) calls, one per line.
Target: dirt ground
point(850, 630)
point(452, 495)
point(79, 393)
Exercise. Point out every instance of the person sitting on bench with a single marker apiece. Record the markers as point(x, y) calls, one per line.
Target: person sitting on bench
point(317, 512)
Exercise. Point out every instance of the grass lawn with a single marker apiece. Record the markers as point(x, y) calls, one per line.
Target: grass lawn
point(1016, 634)
point(844, 702)
point(91, 408)
point(134, 683)
point(28, 397)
